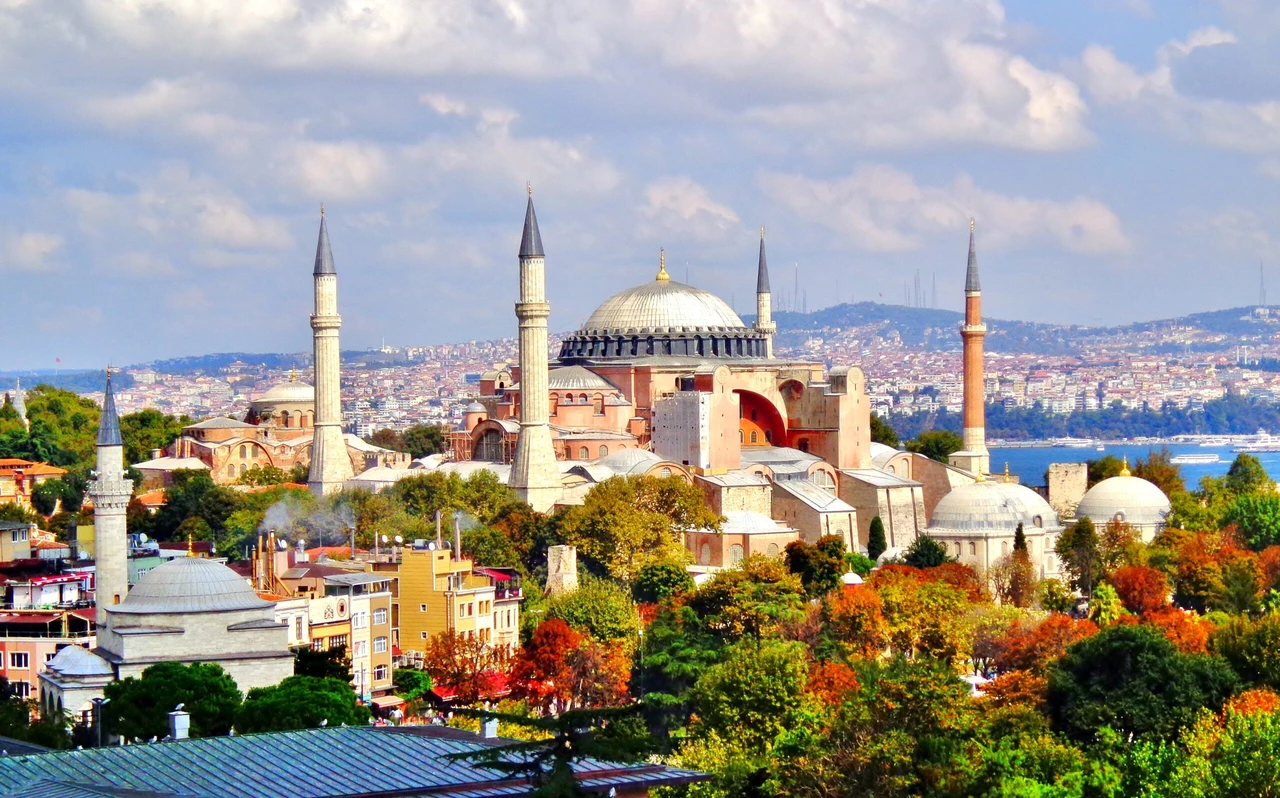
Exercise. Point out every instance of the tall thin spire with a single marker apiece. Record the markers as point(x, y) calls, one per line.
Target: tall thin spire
point(324, 255)
point(762, 271)
point(531, 240)
point(971, 284)
point(109, 424)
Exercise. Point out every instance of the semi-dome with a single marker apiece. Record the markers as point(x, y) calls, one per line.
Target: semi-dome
point(189, 584)
point(992, 506)
point(661, 306)
point(78, 661)
point(1126, 498)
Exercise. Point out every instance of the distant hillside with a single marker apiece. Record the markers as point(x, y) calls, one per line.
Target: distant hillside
point(933, 329)
point(211, 364)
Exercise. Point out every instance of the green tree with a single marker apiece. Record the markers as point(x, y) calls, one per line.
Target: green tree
point(819, 565)
point(659, 581)
point(936, 444)
point(481, 495)
point(881, 432)
point(259, 476)
point(756, 693)
point(752, 600)
point(1133, 680)
point(422, 440)
point(628, 522)
point(487, 546)
point(20, 720)
point(139, 707)
point(1078, 549)
point(300, 702)
point(1251, 647)
point(599, 608)
point(387, 439)
point(1104, 467)
point(925, 552)
point(332, 663)
point(876, 543)
point(1159, 470)
point(147, 430)
point(1257, 516)
point(1247, 475)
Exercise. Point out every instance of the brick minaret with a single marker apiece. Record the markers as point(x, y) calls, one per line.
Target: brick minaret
point(535, 477)
point(110, 491)
point(330, 464)
point(974, 457)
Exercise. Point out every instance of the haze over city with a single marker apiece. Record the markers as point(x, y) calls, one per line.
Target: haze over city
point(163, 169)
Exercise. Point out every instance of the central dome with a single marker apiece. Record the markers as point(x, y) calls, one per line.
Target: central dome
point(662, 306)
point(189, 584)
point(292, 391)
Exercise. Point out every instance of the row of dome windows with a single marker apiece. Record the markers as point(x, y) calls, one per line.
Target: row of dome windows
point(728, 346)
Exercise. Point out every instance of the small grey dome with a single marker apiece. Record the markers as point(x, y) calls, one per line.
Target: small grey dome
point(992, 506)
point(475, 407)
point(77, 661)
point(292, 391)
point(629, 461)
point(189, 584)
point(1131, 499)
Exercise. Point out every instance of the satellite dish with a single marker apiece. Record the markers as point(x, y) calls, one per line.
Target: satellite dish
point(302, 544)
point(384, 538)
point(283, 544)
point(399, 539)
point(431, 546)
point(142, 537)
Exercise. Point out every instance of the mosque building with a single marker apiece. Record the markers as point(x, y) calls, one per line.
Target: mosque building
point(1128, 500)
point(187, 610)
point(290, 424)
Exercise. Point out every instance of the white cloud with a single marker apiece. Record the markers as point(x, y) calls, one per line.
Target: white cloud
point(679, 208)
point(29, 252)
point(881, 209)
point(346, 170)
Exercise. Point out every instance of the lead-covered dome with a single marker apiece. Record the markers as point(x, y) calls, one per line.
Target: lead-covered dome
point(189, 584)
point(291, 392)
point(992, 507)
point(663, 319)
point(661, 306)
point(1126, 498)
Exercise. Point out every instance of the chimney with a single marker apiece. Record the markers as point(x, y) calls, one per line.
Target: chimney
point(489, 729)
point(457, 537)
point(439, 537)
point(155, 454)
point(179, 724)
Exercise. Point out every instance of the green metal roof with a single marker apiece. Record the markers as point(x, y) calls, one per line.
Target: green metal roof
point(316, 763)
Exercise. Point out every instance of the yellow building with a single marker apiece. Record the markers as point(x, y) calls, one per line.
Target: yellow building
point(368, 597)
point(437, 593)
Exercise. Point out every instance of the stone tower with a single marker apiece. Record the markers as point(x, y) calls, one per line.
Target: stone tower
point(110, 491)
point(330, 465)
point(535, 477)
point(974, 457)
point(764, 301)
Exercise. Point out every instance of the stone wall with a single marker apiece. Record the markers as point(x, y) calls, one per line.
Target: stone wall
point(1067, 485)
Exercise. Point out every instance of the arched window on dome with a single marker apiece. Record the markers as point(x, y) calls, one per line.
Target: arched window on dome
point(489, 448)
point(604, 451)
point(772, 551)
point(973, 549)
point(285, 419)
point(664, 473)
point(648, 345)
point(755, 437)
point(704, 554)
point(597, 402)
point(742, 436)
point(823, 480)
point(302, 420)
point(582, 399)
point(297, 416)
point(1119, 517)
point(243, 469)
point(244, 452)
point(584, 453)
point(1004, 548)
point(1038, 522)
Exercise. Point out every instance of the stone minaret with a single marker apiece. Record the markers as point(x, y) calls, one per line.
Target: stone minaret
point(974, 457)
point(110, 491)
point(764, 301)
point(19, 401)
point(534, 475)
point(330, 465)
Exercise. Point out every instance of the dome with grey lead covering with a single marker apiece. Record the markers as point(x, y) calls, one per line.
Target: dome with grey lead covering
point(189, 585)
point(1126, 498)
point(992, 507)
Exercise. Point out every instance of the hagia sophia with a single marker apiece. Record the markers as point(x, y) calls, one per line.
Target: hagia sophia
point(666, 379)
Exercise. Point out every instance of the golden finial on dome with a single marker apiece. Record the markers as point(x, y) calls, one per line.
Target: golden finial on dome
point(1007, 478)
point(1124, 467)
point(191, 550)
point(293, 375)
point(979, 477)
point(662, 266)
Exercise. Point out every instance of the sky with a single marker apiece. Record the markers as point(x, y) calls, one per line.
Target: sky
point(162, 164)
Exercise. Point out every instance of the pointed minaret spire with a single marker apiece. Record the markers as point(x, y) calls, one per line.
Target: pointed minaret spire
point(109, 424)
point(971, 284)
point(324, 255)
point(764, 301)
point(531, 240)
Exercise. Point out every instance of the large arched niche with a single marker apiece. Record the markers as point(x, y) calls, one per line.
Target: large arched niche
point(758, 414)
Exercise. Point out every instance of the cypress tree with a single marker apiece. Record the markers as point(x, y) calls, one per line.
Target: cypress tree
point(876, 543)
point(1019, 539)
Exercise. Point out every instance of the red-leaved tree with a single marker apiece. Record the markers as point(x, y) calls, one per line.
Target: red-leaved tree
point(1142, 589)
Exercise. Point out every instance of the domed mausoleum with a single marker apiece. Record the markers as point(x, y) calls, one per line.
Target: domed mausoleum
point(1128, 499)
point(977, 524)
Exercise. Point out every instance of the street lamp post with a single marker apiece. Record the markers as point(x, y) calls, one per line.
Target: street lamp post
point(98, 720)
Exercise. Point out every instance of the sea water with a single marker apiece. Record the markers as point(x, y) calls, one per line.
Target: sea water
point(1030, 463)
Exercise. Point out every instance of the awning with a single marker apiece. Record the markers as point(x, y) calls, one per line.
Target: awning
point(385, 701)
point(498, 575)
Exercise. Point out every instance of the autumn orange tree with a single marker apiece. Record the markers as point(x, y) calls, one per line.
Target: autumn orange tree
point(1141, 588)
point(469, 666)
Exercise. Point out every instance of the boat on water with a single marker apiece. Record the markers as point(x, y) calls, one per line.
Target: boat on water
point(1075, 443)
point(1195, 459)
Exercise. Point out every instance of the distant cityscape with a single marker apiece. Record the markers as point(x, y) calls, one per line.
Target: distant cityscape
point(910, 357)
